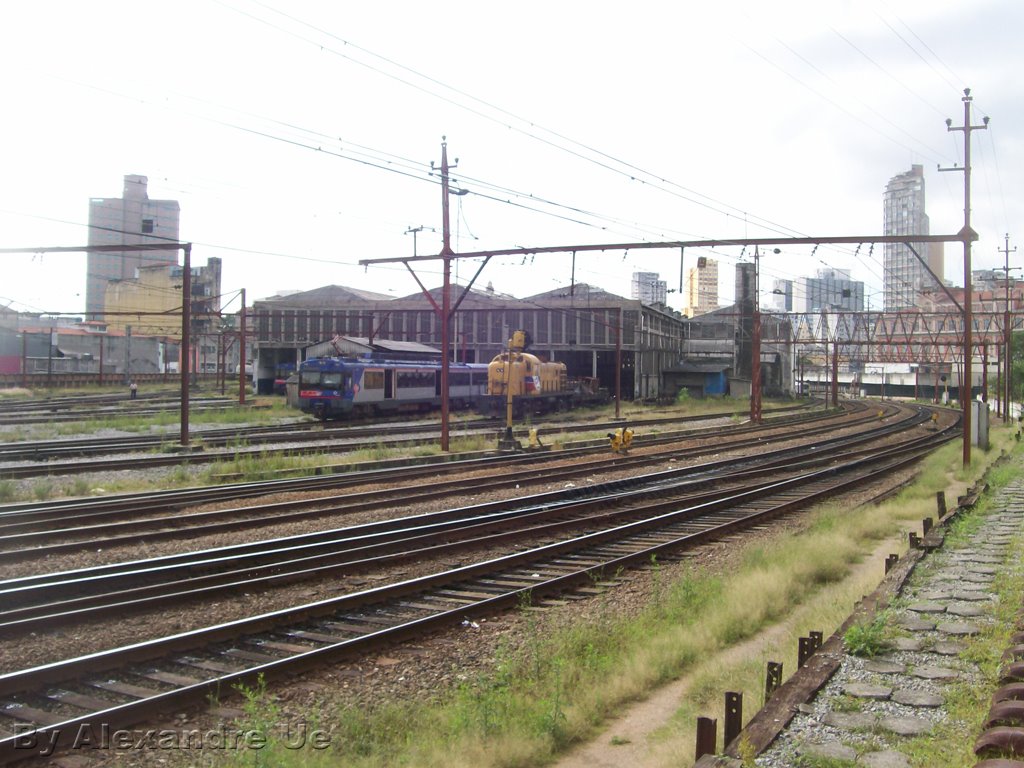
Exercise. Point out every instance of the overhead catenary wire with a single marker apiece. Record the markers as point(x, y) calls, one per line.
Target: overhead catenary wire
point(283, 123)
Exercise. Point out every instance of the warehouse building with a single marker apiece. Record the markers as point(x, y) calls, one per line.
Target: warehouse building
point(579, 325)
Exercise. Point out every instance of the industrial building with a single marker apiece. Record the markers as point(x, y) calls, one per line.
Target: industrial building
point(579, 325)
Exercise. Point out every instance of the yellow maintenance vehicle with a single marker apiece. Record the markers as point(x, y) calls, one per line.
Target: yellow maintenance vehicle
point(621, 439)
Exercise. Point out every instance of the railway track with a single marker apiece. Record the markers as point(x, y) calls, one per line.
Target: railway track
point(24, 412)
point(36, 531)
point(36, 602)
point(236, 443)
point(42, 453)
point(53, 703)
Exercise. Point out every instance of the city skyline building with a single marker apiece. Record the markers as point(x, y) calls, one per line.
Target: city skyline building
point(648, 288)
point(905, 276)
point(830, 288)
point(127, 220)
point(782, 295)
point(702, 287)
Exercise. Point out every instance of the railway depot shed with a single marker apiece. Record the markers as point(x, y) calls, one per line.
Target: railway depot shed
point(698, 379)
point(578, 325)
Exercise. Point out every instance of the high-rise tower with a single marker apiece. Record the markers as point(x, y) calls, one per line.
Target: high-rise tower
point(904, 214)
point(648, 288)
point(127, 220)
point(702, 287)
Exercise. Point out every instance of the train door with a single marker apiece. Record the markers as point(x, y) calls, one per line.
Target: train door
point(389, 384)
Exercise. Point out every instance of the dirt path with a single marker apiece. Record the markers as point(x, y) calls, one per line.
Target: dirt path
point(633, 738)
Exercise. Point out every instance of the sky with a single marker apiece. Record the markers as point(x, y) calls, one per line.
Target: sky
point(298, 136)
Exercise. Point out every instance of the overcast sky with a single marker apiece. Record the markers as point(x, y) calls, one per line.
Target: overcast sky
point(298, 136)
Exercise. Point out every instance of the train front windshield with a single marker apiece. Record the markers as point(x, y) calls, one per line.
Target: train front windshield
point(324, 380)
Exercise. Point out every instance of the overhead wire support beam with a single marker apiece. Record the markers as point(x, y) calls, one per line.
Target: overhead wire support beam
point(649, 245)
point(447, 254)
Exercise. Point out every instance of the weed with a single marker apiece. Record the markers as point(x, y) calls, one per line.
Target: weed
point(846, 703)
point(746, 751)
point(866, 639)
point(7, 491)
point(42, 489)
point(820, 761)
point(618, 741)
point(80, 487)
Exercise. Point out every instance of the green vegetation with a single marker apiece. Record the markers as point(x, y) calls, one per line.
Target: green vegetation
point(262, 411)
point(15, 393)
point(250, 467)
point(562, 680)
point(866, 638)
point(42, 489)
point(817, 761)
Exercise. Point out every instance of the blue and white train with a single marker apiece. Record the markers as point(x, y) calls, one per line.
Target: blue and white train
point(337, 387)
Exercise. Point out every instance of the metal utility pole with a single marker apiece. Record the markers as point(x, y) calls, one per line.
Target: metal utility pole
point(49, 361)
point(618, 367)
point(241, 354)
point(968, 235)
point(755, 343)
point(1007, 331)
point(835, 373)
point(186, 322)
point(446, 298)
point(127, 355)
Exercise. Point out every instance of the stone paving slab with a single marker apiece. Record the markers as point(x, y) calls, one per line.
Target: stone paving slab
point(884, 759)
point(958, 629)
point(917, 625)
point(867, 691)
point(884, 667)
point(906, 726)
point(907, 644)
point(911, 698)
point(934, 673)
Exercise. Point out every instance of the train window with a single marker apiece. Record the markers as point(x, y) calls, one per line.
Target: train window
point(373, 380)
point(414, 379)
point(458, 379)
point(309, 378)
point(332, 380)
